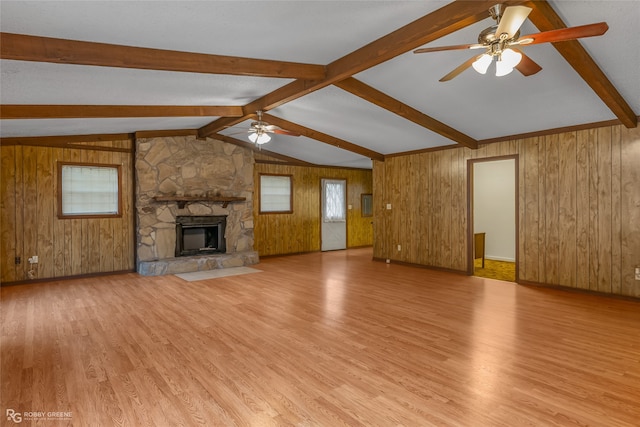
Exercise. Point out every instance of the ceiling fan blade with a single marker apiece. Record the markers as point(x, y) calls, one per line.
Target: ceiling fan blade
point(285, 132)
point(527, 66)
point(564, 34)
point(512, 18)
point(456, 47)
point(459, 69)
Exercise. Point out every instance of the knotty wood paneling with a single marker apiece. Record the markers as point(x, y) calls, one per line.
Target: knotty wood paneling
point(8, 175)
point(594, 211)
point(529, 264)
point(277, 234)
point(551, 199)
point(630, 209)
point(579, 208)
point(30, 225)
point(582, 207)
point(426, 208)
point(616, 207)
point(567, 152)
point(604, 205)
point(379, 218)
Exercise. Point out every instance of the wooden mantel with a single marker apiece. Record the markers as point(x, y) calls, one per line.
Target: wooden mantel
point(183, 200)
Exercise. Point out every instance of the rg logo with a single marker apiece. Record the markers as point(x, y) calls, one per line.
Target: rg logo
point(14, 416)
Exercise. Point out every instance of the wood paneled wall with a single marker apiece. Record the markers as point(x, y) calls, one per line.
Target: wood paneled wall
point(277, 234)
point(30, 226)
point(428, 209)
point(579, 208)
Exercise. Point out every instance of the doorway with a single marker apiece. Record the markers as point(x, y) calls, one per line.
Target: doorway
point(333, 225)
point(494, 212)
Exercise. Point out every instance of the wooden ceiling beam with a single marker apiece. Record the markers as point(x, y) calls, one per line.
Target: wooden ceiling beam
point(60, 51)
point(323, 137)
point(18, 111)
point(546, 19)
point(446, 20)
point(70, 141)
point(165, 133)
point(225, 122)
point(381, 99)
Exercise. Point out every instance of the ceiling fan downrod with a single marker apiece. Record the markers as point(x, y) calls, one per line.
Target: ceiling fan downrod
point(496, 12)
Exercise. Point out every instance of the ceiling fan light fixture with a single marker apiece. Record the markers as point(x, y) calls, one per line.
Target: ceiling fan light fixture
point(259, 138)
point(481, 64)
point(507, 60)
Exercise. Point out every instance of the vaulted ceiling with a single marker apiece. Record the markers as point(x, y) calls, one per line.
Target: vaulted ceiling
point(340, 73)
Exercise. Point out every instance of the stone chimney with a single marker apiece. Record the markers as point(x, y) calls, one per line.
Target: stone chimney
point(200, 171)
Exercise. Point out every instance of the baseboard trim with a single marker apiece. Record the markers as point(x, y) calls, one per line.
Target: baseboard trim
point(576, 290)
point(428, 267)
point(313, 252)
point(287, 254)
point(55, 279)
point(497, 258)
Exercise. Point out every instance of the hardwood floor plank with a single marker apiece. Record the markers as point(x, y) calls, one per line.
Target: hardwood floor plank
point(316, 340)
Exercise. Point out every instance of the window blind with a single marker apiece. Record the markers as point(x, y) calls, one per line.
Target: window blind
point(89, 190)
point(275, 193)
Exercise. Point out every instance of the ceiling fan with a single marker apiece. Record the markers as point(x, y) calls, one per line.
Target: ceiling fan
point(500, 40)
point(259, 131)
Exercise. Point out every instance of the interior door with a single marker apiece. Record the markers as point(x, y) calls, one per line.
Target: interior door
point(334, 214)
point(494, 211)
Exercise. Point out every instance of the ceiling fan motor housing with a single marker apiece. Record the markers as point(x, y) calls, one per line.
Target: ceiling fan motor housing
point(488, 36)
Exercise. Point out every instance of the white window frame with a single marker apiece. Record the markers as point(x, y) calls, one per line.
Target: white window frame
point(89, 190)
point(276, 197)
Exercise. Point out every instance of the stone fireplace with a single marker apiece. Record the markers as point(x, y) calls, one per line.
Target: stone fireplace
point(184, 186)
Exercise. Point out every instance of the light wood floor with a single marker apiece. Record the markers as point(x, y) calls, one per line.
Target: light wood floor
point(319, 340)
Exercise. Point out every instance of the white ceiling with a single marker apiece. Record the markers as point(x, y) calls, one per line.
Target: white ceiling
point(315, 32)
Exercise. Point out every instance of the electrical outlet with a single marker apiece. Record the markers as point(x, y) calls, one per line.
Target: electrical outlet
point(637, 273)
point(388, 205)
point(18, 260)
point(399, 248)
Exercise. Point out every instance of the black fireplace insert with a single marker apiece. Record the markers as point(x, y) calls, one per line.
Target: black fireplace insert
point(200, 235)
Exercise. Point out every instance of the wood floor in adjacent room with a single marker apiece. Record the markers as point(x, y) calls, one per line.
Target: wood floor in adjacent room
point(318, 340)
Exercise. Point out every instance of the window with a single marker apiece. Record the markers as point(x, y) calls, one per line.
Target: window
point(275, 194)
point(367, 204)
point(334, 201)
point(88, 190)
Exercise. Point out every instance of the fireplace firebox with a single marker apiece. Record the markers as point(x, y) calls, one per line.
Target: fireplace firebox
point(200, 235)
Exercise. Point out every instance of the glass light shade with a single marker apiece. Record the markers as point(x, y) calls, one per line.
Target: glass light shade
point(502, 69)
point(482, 63)
point(510, 57)
point(259, 138)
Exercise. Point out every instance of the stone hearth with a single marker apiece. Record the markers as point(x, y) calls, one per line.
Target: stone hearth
point(198, 169)
point(196, 263)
